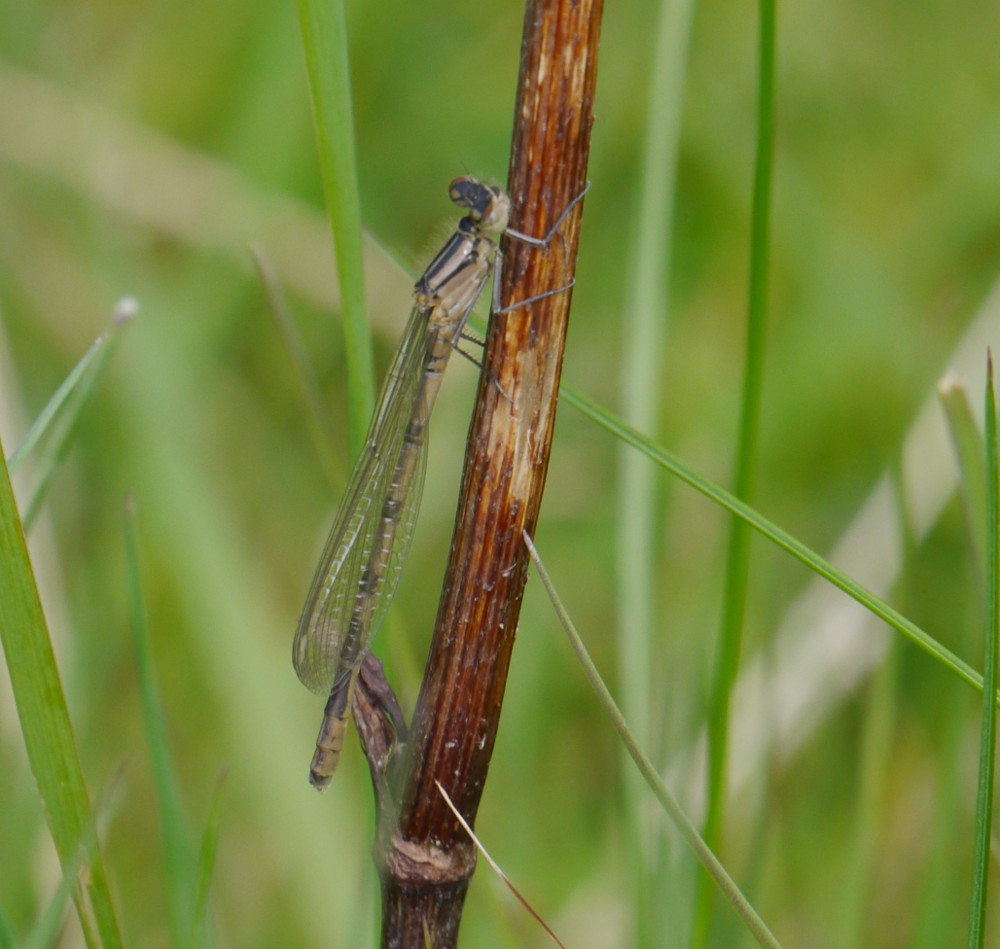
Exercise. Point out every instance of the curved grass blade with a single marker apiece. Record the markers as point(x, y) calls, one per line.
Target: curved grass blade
point(669, 804)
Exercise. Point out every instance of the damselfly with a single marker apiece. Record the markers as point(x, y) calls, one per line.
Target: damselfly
point(364, 554)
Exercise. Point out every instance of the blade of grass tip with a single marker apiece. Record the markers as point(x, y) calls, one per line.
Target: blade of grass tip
point(77, 396)
point(968, 444)
point(987, 738)
point(206, 863)
point(800, 551)
point(179, 864)
point(673, 810)
point(46, 726)
point(495, 866)
point(320, 423)
point(324, 35)
point(124, 312)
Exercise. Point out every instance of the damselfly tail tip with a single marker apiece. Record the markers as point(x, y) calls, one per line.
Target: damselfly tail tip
point(320, 781)
point(330, 741)
point(322, 767)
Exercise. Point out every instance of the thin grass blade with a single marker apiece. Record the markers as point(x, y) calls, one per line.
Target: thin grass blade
point(496, 867)
point(987, 737)
point(782, 538)
point(669, 804)
point(46, 726)
point(737, 570)
point(179, 875)
point(206, 864)
point(324, 36)
point(59, 419)
point(645, 318)
point(80, 378)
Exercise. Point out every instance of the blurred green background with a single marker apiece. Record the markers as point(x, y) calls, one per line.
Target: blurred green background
point(145, 147)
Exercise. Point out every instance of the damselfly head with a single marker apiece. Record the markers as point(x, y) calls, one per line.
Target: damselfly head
point(488, 206)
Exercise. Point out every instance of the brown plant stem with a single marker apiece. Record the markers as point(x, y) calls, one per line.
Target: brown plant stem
point(427, 859)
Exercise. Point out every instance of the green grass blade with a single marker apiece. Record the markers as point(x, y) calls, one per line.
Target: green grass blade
point(644, 320)
point(206, 864)
point(324, 34)
point(95, 358)
point(667, 801)
point(738, 547)
point(48, 414)
point(45, 723)
point(942, 889)
point(774, 533)
point(987, 738)
point(57, 421)
point(179, 866)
